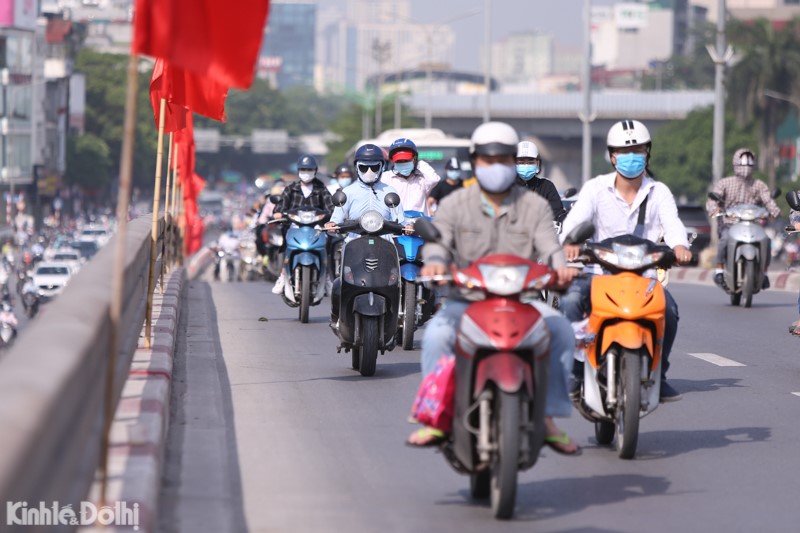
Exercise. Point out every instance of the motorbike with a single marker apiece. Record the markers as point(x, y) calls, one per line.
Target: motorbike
point(369, 302)
point(248, 262)
point(417, 299)
point(748, 253)
point(7, 334)
point(501, 372)
point(30, 301)
point(306, 259)
point(270, 242)
point(620, 343)
point(228, 261)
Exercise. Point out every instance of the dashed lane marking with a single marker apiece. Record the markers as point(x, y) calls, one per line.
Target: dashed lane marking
point(796, 393)
point(715, 359)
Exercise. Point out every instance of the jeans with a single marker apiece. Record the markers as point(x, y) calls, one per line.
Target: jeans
point(439, 338)
point(577, 303)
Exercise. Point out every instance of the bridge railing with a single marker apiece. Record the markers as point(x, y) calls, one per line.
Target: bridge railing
point(52, 381)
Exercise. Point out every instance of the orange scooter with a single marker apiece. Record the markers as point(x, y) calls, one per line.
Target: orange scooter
point(623, 339)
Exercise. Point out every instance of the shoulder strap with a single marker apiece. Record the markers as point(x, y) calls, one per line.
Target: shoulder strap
point(639, 231)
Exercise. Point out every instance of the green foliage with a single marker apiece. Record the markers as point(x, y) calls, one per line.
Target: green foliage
point(682, 151)
point(88, 162)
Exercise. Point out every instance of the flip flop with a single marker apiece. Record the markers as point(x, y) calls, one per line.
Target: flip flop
point(795, 330)
point(559, 442)
point(426, 437)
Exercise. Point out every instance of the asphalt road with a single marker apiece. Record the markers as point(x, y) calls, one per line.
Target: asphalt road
point(272, 431)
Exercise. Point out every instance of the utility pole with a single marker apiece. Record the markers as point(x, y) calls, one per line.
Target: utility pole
point(487, 77)
point(721, 56)
point(586, 116)
point(381, 51)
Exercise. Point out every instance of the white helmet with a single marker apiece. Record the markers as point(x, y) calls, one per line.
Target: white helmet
point(627, 133)
point(494, 138)
point(527, 149)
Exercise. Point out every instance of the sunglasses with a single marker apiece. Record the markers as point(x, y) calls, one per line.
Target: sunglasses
point(375, 167)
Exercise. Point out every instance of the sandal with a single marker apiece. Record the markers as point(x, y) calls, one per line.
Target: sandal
point(559, 444)
point(794, 330)
point(426, 437)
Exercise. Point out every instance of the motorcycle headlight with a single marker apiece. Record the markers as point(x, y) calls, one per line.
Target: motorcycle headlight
point(371, 221)
point(504, 280)
point(221, 253)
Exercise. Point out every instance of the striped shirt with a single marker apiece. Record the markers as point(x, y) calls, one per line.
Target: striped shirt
point(735, 191)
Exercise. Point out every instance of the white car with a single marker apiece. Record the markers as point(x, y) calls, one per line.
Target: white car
point(50, 278)
point(98, 234)
point(70, 256)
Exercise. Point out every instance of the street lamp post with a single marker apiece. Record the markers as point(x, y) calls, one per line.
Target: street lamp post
point(586, 116)
point(487, 76)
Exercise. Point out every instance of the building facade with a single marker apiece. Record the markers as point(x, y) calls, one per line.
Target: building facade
point(288, 54)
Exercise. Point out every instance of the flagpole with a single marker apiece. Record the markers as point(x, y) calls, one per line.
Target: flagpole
point(165, 242)
point(182, 227)
point(151, 272)
point(176, 174)
point(123, 199)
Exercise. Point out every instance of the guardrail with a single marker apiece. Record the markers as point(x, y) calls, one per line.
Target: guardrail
point(52, 381)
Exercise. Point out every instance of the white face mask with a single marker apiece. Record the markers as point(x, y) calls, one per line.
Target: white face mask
point(306, 176)
point(496, 178)
point(368, 177)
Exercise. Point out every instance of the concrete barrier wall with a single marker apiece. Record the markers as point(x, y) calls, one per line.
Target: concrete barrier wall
point(52, 381)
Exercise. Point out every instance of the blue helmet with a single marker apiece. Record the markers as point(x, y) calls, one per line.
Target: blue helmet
point(370, 158)
point(403, 144)
point(369, 152)
point(307, 161)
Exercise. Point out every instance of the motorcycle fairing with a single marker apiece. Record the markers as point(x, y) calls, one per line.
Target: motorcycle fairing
point(409, 271)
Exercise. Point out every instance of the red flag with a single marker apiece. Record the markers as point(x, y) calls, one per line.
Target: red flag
point(211, 38)
point(182, 88)
point(184, 144)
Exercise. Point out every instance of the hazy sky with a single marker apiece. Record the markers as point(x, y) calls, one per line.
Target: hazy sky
point(562, 18)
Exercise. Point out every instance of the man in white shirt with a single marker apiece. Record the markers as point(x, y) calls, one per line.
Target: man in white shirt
point(411, 178)
point(612, 203)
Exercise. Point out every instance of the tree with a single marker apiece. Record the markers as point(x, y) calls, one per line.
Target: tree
point(88, 162)
point(770, 60)
point(681, 154)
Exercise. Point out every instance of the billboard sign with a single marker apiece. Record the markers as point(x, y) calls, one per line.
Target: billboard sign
point(631, 16)
point(18, 14)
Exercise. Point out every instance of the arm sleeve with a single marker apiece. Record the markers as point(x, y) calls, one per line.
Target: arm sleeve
point(712, 205)
point(546, 240)
point(430, 177)
point(445, 222)
point(283, 203)
point(327, 200)
point(550, 193)
point(674, 230)
point(582, 211)
point(768, 202)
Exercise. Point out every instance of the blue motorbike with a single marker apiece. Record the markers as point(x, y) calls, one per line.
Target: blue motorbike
point(305, 259)
point(416, 300)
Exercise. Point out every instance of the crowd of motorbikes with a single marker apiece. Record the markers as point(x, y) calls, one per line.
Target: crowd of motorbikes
point(502, 343)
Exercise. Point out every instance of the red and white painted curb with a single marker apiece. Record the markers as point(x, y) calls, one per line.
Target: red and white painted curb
point(779, 280)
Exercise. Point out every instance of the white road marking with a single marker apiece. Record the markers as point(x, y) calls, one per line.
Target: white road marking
point(715, 359)
point(796, 393)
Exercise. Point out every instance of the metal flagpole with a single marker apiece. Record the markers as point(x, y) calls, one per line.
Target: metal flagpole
point(151, 272)
point(165, 242)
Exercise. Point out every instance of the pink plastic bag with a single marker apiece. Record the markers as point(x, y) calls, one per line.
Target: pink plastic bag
point(433, 405)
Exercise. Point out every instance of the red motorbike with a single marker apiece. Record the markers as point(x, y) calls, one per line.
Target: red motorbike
point(501, 369)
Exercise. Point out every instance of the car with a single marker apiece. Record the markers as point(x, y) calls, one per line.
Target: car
point(698, 228)
point(87, 249)
point(98, 234)
point(70, 256)
point(51, 278)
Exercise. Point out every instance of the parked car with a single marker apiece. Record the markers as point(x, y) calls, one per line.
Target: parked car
point(51, 278)
point(698, 228)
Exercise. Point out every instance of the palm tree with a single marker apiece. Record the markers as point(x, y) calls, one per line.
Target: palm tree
point(770, 60)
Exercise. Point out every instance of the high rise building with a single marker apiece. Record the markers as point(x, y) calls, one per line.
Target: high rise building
point(752, 9)
point(288, 49)
point(523, 57)
point(630, 36)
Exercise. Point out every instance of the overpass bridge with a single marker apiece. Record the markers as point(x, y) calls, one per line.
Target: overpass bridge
point(552, 120)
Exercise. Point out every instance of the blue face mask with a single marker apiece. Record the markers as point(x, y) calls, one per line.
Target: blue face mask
point(454, 174)
point(631, 166)
point(528, 171)
point(404, 169)
point(344, 182)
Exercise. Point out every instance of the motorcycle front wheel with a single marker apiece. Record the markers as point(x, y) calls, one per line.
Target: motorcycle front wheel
point(503, 493)
point(305, 292)
point(369, 346)
point(749, 283)
point(409, 314)
point(629, 403)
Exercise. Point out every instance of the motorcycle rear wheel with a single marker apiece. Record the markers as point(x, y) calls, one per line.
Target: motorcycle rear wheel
point(749, 284)
point(305, 292)
point(628, 404)
point(369, 345)
point(409, 314)
point(505, 464)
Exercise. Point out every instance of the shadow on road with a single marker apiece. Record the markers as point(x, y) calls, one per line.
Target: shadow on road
point(664, 444)
point(384, 371)
point(704, 385)
point(541, 500)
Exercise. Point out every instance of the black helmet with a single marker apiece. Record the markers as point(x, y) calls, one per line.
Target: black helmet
point(307, 161)
point(793, 199)
point(344, 168)
point(452, 164)
point(370, 152)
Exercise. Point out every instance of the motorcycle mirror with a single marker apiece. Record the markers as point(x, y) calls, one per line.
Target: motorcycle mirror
point(339, 198)
point(580, 233)
point(793, 199)
point(425, 229)
point(274, 198)
point(572, 191)
point(392, 200)
point(714, 196)
point(776, 193)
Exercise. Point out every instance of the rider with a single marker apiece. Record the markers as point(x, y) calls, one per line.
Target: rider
point(529, 164)
point(7, 316)
point(612, 203)
point(742, 188)
point(342, 177)
point(452, 182)
point(309, 191)
point(794, 220)
point(498, 217)
point(365, 194)
point(411, 178)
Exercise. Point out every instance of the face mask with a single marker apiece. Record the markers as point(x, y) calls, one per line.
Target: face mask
point(368, 177)
point(496, 178)
point(631, 166)
point(306, 176)
point(344, 182)
point(743, 171)
point(404, 169)
point(368, 172)
point(528, 171)
point(454, 174)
